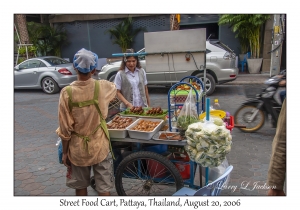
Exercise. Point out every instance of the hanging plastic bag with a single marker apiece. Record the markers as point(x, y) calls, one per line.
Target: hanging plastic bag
point(216, 172)
point(59, 150)
point(208, 143)
point(188, 113)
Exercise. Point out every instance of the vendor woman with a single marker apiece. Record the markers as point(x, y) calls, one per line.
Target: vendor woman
point(131, 83)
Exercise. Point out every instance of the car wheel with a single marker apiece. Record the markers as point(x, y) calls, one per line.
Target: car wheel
point(112, 78)
point(210, 83)
point(49, 85)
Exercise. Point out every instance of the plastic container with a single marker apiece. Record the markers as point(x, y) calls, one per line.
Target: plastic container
point(119, 133)
point(59, 150)
point(231, 125)
point(184, 169)
point(227, 118)
point(216, 105)
point(143, 134)
point(183, 164)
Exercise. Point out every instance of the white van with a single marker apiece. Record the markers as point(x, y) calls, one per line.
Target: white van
point(221, 67)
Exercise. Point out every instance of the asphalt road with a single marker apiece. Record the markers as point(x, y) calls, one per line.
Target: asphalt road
point(37, 171)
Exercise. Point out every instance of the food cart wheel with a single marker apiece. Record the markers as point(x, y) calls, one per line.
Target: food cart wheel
point(147, 173)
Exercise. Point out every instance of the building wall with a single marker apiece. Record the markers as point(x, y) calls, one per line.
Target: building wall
point(210, 22)
point(88, 32)
point(92, 34)
point(228, 37)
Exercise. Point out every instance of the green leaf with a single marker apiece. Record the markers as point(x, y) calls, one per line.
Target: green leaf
point(248, 29)
point(123, 34)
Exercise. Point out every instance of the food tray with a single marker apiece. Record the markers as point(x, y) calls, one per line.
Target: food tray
point(119, 133)
point(156, 136)
point(126, 113)
point(180, 96)
point(182, 92)
point(143, 134)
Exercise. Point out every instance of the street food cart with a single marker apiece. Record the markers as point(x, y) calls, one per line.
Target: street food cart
point(153, 162)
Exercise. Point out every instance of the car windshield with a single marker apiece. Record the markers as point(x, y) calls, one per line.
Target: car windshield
point(56, 61)
point(220, 45)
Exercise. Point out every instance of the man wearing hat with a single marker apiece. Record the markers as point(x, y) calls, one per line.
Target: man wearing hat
point(82, 110)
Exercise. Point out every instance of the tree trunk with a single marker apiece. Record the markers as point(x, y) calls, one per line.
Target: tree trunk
point(22, 28)
point(174, 25)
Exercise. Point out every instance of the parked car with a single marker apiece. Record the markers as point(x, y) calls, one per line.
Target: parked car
point(49, 73)
point(221, 67)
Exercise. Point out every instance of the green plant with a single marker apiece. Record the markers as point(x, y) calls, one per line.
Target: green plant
point(22, 51)
point(247, 28)
point(20, 60)
point(244, 45)
point(32, 50)
point(185, 120)
point(124, 33)
point(47, 40)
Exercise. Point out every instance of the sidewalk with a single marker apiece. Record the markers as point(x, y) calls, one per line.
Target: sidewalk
point(243, 79)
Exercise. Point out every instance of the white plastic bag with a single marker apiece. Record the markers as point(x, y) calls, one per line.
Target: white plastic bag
point(188, 113)
point(209, 141)
point(215, 172)
point(59, 150)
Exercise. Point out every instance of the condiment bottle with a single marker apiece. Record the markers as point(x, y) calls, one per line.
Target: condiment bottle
point(216, 105)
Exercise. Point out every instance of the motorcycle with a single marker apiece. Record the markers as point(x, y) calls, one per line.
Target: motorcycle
point(255, 111)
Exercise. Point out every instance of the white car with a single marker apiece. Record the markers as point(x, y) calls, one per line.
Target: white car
point(221, 67)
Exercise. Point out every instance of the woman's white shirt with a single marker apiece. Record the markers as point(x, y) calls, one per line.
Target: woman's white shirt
point(134, 80)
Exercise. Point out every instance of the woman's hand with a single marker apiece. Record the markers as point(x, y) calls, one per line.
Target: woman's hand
point(129, 105)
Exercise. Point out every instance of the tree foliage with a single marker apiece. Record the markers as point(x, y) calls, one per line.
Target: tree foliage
point(247, 28)
point(123, 34)
point(47, 40)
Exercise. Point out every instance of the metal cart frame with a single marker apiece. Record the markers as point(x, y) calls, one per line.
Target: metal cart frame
point(140, 142)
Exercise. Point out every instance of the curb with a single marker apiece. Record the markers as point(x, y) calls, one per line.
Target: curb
point(244, 83)
point(251, 79)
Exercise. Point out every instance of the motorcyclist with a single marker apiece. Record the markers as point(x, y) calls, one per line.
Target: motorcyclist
point(282, 94)
point(264, 105)
point(282, 83)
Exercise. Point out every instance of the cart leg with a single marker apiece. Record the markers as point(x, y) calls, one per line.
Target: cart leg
point(138, 146)
point(192, 174)
point(200, 174)
point(206, 175)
